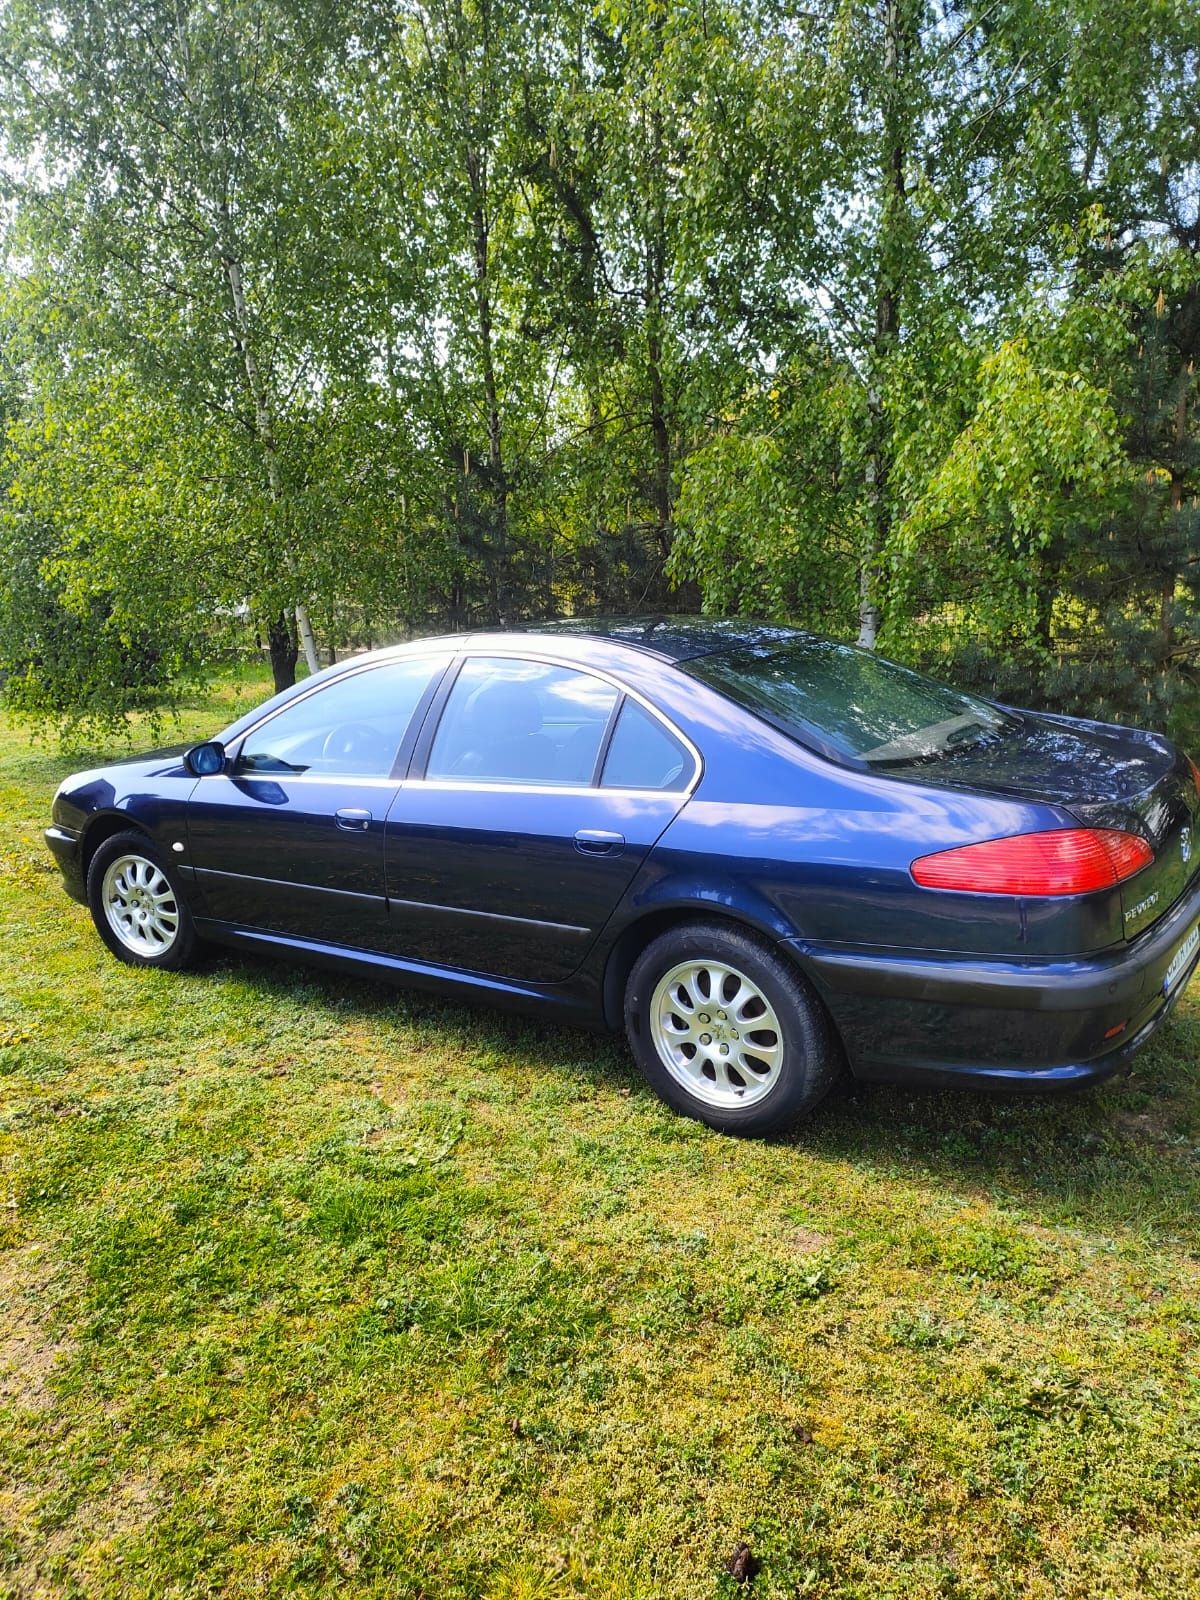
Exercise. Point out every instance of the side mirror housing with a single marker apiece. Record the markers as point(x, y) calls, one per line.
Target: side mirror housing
point(205, 760)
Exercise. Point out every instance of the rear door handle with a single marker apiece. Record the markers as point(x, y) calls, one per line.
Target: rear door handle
point(352, 819)
point(598, 842)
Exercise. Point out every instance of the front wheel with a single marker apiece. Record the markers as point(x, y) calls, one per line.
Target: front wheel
point(725, 1030)
point(137, 904)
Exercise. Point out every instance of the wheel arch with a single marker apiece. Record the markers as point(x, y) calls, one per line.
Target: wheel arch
point(637, 934)
point(105, 825)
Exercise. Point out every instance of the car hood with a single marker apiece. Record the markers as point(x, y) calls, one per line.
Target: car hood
point(164, 760)
point(106, 787)
point(123, 771)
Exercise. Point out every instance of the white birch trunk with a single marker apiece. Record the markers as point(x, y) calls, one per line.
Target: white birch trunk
point(265, 424)
point(304, 628)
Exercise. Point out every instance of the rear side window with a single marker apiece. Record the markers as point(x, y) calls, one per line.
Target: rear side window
point(643, 755)
point(350, 728)
point(512, 721)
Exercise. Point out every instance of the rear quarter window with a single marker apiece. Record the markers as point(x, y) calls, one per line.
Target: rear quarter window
point(643, 754)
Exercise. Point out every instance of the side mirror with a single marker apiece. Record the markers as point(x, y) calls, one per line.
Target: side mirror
point(205, 760)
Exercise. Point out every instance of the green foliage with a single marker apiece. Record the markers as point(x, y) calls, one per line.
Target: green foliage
point(1053, 550)
point(769, 522)
point(877, 317)
point(1038, 442)
point(99, 616)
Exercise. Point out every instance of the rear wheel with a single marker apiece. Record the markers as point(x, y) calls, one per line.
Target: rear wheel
point(725, 1030)
point(138, 906)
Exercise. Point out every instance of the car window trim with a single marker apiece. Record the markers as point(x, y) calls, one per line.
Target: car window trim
point(423, 744)
point(481, 785)
point(368, 780)
point(419, 765)
point(404, 750)
point(606, 739)
point(433, 694)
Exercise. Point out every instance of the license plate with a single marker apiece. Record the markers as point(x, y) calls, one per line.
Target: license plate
point(1181, 959)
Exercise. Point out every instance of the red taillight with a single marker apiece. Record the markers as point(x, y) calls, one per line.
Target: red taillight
point(1195, 775)
point(1063, 861)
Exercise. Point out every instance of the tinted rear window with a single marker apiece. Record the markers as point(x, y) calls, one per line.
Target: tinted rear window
point(851, 702)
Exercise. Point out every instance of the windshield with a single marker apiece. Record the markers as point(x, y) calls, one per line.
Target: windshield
point(852, 702)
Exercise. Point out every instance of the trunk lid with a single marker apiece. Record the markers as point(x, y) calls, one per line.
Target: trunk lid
point(1106, 776)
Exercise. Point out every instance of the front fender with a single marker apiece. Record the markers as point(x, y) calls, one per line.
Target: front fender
point(94, 805)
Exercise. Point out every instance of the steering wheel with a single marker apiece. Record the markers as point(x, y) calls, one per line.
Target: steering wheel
point(355, 741)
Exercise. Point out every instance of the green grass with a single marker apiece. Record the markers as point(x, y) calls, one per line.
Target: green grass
point(309, 1287)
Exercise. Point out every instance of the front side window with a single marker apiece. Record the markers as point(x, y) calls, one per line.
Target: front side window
point(853, 701)
point(512, 721)
point(350, 728)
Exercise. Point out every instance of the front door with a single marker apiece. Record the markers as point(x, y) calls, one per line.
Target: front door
point(290, 838)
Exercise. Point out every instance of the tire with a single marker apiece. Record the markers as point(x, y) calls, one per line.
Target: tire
point(690, 1004)
point(138, 904)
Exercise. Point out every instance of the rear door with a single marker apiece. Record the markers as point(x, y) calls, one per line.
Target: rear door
point(537, 793)
point(289, 838)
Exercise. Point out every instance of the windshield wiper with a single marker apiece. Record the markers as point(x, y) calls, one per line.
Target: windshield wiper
point(975, 735)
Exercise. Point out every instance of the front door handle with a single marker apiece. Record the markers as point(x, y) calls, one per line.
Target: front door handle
point(352, 819)
point(598, 842)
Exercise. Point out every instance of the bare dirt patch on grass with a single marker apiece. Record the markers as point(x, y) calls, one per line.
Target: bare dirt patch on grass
point(808, 1242)
point(29, 1354)
point(1159, 1127)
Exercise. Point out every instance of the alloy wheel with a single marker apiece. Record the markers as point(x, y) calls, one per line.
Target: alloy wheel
point(140, 905)
point(716, 1033)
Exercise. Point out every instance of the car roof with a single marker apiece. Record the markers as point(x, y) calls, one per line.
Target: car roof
point(673, 638)
point(578, 641)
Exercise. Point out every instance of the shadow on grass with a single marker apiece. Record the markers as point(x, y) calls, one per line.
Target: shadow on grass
point(1119, 1158)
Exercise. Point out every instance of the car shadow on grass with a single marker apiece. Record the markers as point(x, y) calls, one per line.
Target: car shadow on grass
point(1115, 1158)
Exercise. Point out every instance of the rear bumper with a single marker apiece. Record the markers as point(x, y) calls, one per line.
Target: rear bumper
point(1025, 1025)
point(64, 846)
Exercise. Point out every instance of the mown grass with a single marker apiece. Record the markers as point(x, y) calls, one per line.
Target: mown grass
point(311, 1287)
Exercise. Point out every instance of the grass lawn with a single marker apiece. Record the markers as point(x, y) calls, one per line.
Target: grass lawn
point(310, 1287)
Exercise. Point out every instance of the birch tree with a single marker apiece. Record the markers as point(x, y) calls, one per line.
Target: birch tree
point(166, 148)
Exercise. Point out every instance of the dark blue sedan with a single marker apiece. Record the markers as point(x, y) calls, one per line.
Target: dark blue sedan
point(769, 856)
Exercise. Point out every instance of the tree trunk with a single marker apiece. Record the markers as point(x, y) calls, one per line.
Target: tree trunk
point(483, 316)
point(877, 526)
point(661, 487)
point(304, 628)
point(1166, 616)
point(281, 641)
point(656, 271)
point(897, 51)
point(264, 423)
